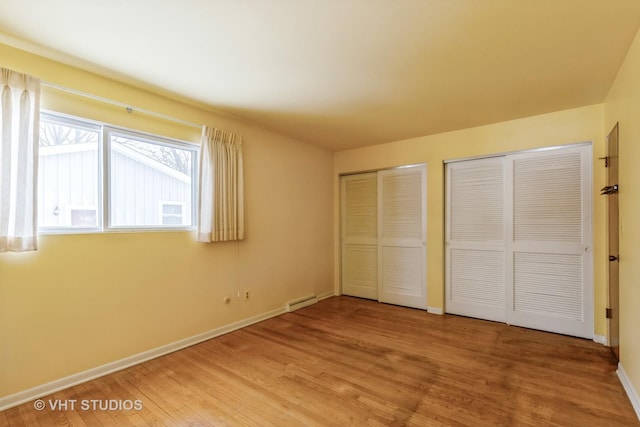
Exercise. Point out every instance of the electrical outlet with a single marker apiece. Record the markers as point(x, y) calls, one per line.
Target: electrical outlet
point(246, 295)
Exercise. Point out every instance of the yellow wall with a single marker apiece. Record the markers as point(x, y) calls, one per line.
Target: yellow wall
point(85, 300)
point(82, 301)
point(623, 105)
point(565, 127)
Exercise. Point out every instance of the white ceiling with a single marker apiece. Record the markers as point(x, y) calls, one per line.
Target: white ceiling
point(345, 73)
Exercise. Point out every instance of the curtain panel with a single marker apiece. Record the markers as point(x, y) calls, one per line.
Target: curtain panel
point(221, 187)
point(19, 130)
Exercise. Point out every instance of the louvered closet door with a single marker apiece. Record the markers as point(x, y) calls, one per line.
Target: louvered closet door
point(550, 258)
point(402, 236)
point(474, 239)
point(360, 235)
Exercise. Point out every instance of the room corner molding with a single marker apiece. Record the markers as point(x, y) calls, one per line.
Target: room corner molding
point(628, 387)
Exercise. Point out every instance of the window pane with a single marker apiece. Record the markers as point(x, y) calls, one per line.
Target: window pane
point(143, 175)
point(68, 175)
point(172, 220)
point(169, 209)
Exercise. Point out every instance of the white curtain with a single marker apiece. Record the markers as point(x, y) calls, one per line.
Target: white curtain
point(19, 130)
point(221, 193)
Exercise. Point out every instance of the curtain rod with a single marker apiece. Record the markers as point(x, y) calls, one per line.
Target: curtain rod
point(127, 107)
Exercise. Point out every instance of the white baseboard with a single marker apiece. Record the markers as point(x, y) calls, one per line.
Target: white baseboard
point(628, 387)
point(100, 371)
point(600, 339)
point(435, 310)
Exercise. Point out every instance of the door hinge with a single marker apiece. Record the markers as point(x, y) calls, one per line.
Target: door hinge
point(609, 313)
point(606, 161)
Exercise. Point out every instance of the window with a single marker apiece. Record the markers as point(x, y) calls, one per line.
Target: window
point(143, 172)
point(83, 217)
point(68, 173)
point(172, 213)
point(94, 177)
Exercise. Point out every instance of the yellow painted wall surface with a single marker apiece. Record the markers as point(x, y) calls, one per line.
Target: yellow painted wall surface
point(623, 106)
point(84, 300)
point(565, 127)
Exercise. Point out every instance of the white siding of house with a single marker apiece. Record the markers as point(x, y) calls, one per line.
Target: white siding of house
point(137, 182)
point(152, 187)
point(56, 173)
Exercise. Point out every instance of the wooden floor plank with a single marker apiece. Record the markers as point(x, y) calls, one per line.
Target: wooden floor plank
point(348, 361)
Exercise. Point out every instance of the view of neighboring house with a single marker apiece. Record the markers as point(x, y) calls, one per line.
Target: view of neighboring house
point(151, 184)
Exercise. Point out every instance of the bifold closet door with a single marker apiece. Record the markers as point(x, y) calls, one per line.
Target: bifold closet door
point(402, 237)
point(551, 254)
point(359, 229)
point(475, 239)
point(383, 232)
point(519, 240)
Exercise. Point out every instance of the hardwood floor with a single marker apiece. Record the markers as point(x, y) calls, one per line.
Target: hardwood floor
point(347, 361)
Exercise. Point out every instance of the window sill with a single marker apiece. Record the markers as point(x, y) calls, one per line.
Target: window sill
point(71, 231)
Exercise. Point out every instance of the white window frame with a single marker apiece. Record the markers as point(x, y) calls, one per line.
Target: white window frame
point(93, 126)
point(104, 163)
point(109, 131)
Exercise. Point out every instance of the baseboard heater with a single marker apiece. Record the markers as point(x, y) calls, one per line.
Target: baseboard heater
point(301, 303)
